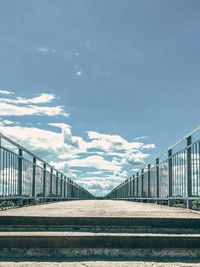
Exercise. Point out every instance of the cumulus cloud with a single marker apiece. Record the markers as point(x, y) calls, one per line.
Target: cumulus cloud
point(98, 185)
point(13, 110)
point(134, 159)
point(99, 162)
point(67, 135)
point(108, 142)
point(42, 98)
point(4, 92)
point(7, 122)
point(18, 106)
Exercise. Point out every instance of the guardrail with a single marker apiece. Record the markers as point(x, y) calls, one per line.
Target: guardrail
point(173, 177)
point(26, 178)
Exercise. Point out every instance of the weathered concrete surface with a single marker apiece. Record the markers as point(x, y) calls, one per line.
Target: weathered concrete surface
point(163, 263)
point(98, 241)
point(103, 254)
point(99, 209)
point(100, 224)
point(102, 208)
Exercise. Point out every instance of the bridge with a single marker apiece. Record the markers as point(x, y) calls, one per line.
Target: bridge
point(154, 213)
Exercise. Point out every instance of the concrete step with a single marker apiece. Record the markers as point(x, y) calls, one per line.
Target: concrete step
point(101, 224)
point(76, 244)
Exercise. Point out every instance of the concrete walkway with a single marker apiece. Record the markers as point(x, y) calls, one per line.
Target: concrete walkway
point(164, 263)
point(101, 208)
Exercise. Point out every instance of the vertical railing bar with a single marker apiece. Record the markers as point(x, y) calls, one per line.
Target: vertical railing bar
point(142, 182)
point(20, 174)
point(199, 158)
point(189, 173)
point(148, 180)
point(3, 172)
point(44, 179)
point(157, 178)
point(196, 167)
point(56, 184)
point(170, 176)
point(34, 178)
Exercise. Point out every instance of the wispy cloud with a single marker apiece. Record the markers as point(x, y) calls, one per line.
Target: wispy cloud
point(140, 137)
point(46, 50)
point(79, 73)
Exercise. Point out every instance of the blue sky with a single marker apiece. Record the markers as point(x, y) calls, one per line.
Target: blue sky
point(99, 87)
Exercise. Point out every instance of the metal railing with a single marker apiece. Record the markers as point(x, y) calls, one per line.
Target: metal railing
point(26, 177)
point(172, 178)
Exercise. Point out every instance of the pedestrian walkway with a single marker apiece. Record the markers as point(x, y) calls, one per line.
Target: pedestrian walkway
point(102, 208)
point(95, 233)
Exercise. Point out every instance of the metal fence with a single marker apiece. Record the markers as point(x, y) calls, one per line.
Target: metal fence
point(24, 176)
point(171, 177)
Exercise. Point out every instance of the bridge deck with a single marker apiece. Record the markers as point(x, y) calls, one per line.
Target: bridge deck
point(101, 208)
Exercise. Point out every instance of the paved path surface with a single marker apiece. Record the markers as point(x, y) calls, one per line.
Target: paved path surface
point(102, 208)
point(164, 263)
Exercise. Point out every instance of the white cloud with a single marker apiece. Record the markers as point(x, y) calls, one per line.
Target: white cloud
point(148, 146)
point(46, 50)
point(13, 106)
point(43, 50)
point(112, 143)
point(79, 73)
point(141, 137)
point(67, 135)
point(62, 150)
point(134, 159)
point(98, 172)
point(95, 162)
point(3, 92)
point(7, 122)
point(104, 158)
point(14, 110)
point(42, 98)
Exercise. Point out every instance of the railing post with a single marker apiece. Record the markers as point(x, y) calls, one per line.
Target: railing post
point(157, 179)
point(56, 184)
point(44, 179)
point(64, 187)
point(189, 172)
point(33, 184)
point(130, 187)
point(170, 177)
point(20, 175)
point(51, 181)
point(61, 185)
point(148, 181)
point(142, 183)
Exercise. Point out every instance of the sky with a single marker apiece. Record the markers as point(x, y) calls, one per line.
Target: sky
point(98, 88)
